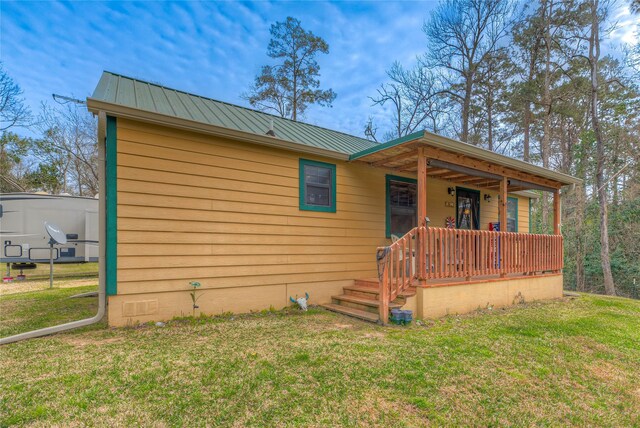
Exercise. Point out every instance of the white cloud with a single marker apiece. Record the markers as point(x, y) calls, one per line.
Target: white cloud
point(213, 49)
point(627, 30)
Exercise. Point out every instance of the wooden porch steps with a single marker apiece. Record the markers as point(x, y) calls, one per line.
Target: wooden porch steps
point(361, 300)
point(372, 293)
point(345, 299)
point(352, 312)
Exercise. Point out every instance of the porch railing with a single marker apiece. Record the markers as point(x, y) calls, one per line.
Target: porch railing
point(427, 253)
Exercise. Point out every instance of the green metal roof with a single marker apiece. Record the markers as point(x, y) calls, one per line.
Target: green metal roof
point(128, 97)
point(128, 92)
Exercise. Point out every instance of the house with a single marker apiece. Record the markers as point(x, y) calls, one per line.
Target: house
point(259, 209)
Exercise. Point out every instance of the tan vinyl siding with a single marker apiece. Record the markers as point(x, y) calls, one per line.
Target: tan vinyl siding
point(192, 207)
point(226, 213)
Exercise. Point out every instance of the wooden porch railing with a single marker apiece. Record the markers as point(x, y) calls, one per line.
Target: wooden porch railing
point(432, 253)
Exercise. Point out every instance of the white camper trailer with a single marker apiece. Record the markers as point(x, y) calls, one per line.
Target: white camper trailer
point(23, 235)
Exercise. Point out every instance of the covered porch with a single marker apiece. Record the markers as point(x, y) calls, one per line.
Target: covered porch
point(463, 254)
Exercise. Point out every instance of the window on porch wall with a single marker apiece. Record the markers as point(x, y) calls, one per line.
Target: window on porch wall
point(512, 214)
point(403, 205)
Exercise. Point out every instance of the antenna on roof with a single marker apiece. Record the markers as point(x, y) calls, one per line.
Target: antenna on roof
point(271, 131)
point(61, 99)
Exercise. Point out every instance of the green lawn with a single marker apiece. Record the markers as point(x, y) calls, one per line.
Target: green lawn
point(573, 362)
point(23, 312)
point(62, 270)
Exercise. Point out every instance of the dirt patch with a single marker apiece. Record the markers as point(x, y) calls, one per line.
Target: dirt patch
point(606, 371)
point(342, 326)
point(14, 287)
point(374, 335)
point(82, 341)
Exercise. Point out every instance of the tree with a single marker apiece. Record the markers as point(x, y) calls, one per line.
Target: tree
point(13, 151)
point(527, 38)
point(597, 17)
point(416, 101)
point(290, 86)
point(46, 178)
point(13, 112)
point(69, 143)
point(491, 100)
point(462, 34)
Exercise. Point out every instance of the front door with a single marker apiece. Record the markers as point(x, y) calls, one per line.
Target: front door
point(467, 209)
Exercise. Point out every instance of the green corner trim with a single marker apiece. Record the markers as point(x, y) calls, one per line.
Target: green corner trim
point(516, 200)
point(389, 179)
point(302, 190)
point(112, 208)
point(530, 220)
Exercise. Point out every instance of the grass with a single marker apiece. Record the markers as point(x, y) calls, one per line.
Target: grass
point(62, 270)
point(64, 276)
point(572, 362)
point(21, 312)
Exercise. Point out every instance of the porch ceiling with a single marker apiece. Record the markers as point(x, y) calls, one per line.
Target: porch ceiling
point(462, 163)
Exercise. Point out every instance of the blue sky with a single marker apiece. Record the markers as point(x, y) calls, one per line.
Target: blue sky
point(212, 49)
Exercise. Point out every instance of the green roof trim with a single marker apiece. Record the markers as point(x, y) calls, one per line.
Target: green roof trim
point(122, 91)
point(466, 149)
point(387, 145)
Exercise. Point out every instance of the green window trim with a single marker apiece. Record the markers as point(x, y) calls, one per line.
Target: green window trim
point(388, 180)
point(111, 152)
point(303, 188)
point(511, 198)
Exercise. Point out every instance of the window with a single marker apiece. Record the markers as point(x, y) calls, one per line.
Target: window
point(402, 201)
point(317, 186)
point(512, 214)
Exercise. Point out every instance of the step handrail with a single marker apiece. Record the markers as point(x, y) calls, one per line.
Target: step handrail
point(398, 266)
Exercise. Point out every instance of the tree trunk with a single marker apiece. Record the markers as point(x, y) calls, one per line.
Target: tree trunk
point(527, 102)
point(546, 102)
point(580, 250)
point(466, 107)
point(294, 101)
point(527, 131)
point(594, 57)
point(490, 119)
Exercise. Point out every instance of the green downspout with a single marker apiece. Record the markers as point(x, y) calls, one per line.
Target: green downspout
point(112, 207)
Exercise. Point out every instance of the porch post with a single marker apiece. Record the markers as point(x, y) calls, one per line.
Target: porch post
point(557, 247)
point(503, 223)
point(556, 212)
point(422, 214)
point(422, 186)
